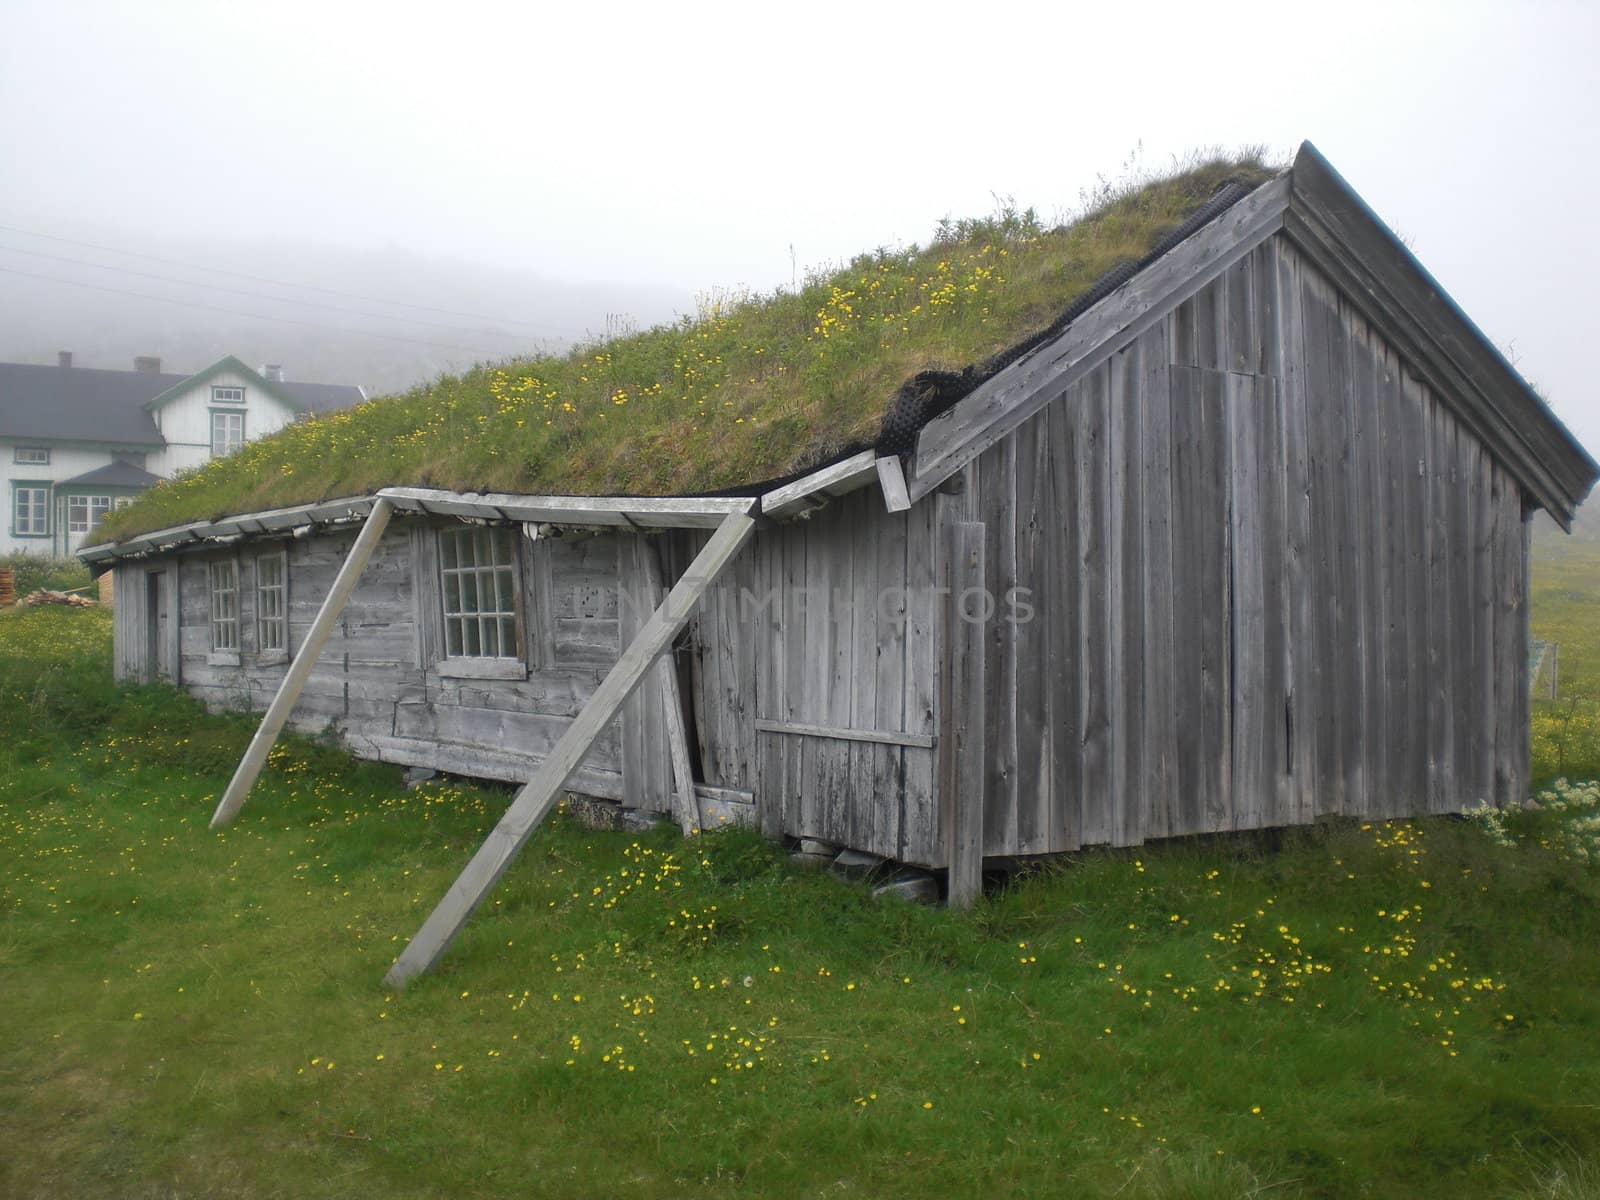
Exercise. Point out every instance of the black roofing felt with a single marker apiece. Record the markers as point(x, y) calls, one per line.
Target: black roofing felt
point(80, 404)
point(117, 474)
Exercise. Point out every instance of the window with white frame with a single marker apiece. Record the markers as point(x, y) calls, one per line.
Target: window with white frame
point(227, 433)
point(478, 575)
point(224, 606)
point(30, 510)
point(227, 395)
point(84, 513)
point(32, 456)
point(272, 610)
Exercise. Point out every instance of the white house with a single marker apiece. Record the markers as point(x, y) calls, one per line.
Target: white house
point(77, 442)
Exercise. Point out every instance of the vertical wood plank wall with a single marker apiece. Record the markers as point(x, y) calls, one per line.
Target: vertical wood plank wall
point(828, 623)
point(1273, 578)
point(374, 683)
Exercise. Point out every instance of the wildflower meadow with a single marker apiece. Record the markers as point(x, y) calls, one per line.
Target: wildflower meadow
point(1394, 1009)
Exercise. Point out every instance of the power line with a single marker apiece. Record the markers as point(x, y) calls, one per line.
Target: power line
point(236, 312)
point(217, 287)
point(306, 287)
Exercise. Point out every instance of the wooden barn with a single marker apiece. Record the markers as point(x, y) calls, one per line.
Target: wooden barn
point(1240, 541)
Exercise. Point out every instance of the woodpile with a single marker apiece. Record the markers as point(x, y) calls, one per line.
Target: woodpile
point(46, 596)
point(8, 586)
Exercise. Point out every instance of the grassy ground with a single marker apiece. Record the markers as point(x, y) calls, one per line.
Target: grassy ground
point(750, 389)
point(1398, 1010)
point(1566, 610)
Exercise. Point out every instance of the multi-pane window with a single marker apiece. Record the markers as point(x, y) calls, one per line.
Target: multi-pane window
point(33, 456)
point(30, 510)
point(225, 605)
point(227, 395)
point(478, 574)
point(84, 513)
point(227, 432)
point(272, 626)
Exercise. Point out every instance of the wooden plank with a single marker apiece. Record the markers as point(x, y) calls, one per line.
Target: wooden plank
point(685, 808)
point(921, 837)
point(884, 737)
point(1441, 671)
point(1213, 602)
point(1036, 645)
point(1485, 683)
point(892, 483)
point(1059, 605)
point(1254, 781)
point(1362, 366)
point(1400, 784)
point(1125, 581)
point(665, 512)
point(868, 522)
point(962, 752)
point(536, 799)
point(1413, 438)
point(294, 680)
point(1156, 601)
point(835, 479)
point(1092, 512)
point(1323, 384)
point(1002, 403)
point(888, 784)
point(997, 508)
point(1188, 814)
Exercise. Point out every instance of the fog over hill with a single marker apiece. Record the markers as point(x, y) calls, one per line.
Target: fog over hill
point(381, 318)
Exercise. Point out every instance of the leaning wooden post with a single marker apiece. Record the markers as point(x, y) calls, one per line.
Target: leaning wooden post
point(305, 661)
point(967, 610)
point(534, 802)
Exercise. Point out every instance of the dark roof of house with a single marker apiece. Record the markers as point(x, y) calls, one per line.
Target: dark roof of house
point(117, 474)
point(80, 404)
point(321, 397)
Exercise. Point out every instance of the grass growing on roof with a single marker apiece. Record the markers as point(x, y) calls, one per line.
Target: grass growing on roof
point(1394, 1009)
point(750, 388)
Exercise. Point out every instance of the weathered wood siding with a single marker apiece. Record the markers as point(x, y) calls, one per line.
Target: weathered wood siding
point(1273, 578)
point(372, 684)
point(811, 677)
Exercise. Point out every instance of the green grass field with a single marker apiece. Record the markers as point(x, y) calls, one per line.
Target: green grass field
point(1396, 1010)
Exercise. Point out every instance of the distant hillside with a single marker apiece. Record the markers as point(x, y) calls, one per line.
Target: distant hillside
point(386, 320)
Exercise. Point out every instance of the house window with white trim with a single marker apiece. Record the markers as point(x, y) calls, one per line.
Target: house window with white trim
point(30, 509)
point(224, 607)
point(227, 395)
point(32, 456)
point(227, 432)
point(84, 513)
point(478, 576)
point(272, 609)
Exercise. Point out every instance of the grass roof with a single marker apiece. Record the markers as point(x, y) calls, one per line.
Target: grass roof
point(749, 389)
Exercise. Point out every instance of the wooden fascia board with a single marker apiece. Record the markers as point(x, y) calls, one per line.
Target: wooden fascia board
point(810, 491)
point(1329, 223)
point(1000, 404)
point(664, 512)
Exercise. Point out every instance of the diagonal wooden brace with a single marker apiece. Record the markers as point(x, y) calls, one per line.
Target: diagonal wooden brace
point(534, 802)
point(294, 681)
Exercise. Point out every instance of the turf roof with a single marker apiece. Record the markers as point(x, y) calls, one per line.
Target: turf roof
point(749, 389)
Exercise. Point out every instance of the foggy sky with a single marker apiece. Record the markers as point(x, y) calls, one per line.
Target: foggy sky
point(694, 147)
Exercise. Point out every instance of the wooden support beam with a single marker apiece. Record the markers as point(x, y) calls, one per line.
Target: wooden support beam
point(892, 483)
point(685, 805)
point(305, 661)
point(961, 716)
point(809, 491)
point(534, 802)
